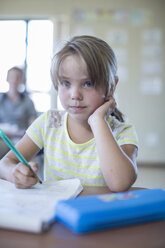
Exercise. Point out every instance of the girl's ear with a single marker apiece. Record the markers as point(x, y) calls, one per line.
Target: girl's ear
point(116, 81)
point(111, 93)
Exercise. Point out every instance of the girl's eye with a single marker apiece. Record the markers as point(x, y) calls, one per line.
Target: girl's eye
point(65, 83)
point(88, 84)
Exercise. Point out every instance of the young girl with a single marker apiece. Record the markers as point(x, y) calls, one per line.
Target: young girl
point(89, 140)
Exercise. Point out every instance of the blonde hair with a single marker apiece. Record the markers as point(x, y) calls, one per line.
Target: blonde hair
point(99, 58)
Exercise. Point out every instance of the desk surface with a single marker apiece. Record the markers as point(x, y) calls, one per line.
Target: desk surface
point(148, 235)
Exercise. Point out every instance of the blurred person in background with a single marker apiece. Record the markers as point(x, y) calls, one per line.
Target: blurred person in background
point(17, 110)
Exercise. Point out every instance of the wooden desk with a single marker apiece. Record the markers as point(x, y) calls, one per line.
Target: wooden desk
point(148, 235)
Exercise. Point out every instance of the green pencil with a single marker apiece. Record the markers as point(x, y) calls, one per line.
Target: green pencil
point(16, 152)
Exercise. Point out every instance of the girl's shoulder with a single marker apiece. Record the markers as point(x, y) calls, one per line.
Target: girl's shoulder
point(124, 132)
point(116, 125)
point(54, 118)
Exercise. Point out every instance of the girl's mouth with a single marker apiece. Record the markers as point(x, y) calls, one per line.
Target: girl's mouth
point(77, 108)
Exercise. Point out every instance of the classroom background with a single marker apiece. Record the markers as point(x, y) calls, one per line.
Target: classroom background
point(136, 31)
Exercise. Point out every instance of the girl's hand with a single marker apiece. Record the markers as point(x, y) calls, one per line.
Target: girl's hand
point(23, 177)
point(106, 109)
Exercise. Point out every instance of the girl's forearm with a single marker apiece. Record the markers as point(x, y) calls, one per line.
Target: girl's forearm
point(117, 167)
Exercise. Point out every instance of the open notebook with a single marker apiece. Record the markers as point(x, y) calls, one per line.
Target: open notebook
point(33, 209)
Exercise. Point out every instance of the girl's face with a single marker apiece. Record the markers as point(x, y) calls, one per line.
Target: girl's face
point(76, 91)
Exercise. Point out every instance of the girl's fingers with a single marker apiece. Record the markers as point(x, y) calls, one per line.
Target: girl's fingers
point(23, 169)
point(106, 109)
point(110, 105)
point(34, 166)
point(23, 177)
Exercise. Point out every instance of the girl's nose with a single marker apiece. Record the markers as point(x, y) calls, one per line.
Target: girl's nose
point(76, 94)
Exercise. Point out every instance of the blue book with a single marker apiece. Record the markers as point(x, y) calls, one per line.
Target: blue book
point(90, 213)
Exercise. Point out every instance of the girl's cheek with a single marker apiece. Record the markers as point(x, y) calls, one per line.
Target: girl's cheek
point(61, 96)
point(97, 101)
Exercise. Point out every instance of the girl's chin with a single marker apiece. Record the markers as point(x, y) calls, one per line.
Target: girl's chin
point(78, 116)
